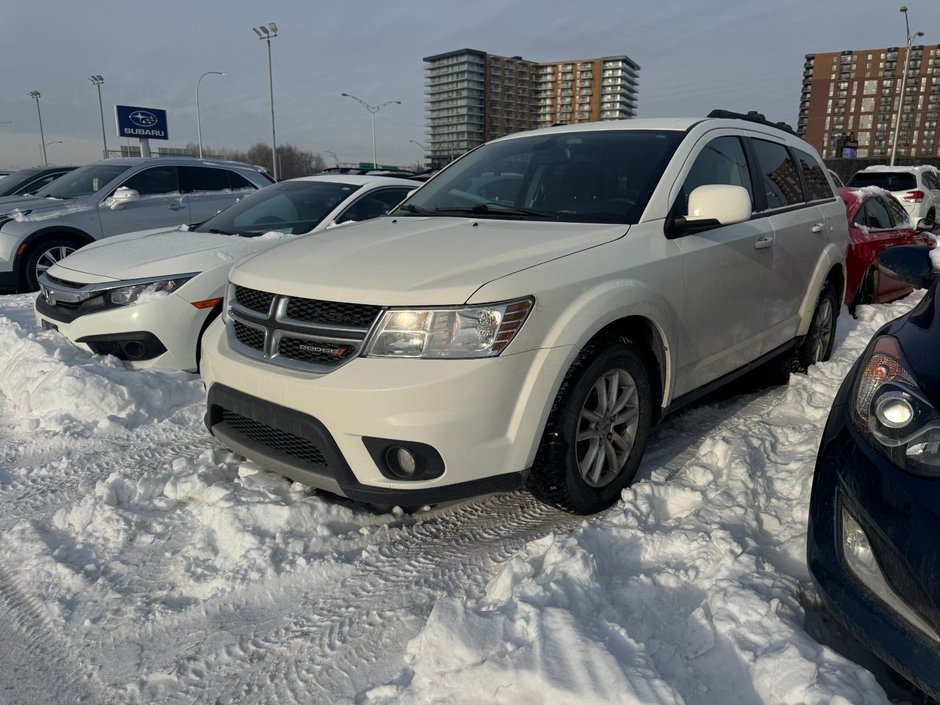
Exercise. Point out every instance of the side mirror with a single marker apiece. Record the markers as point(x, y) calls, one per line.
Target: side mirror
point(925, 225)
point(716, 204)
point(122, 196)
point(909, 263)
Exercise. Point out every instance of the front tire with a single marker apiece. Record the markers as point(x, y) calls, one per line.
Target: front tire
point(43, 255)
point(597, 430)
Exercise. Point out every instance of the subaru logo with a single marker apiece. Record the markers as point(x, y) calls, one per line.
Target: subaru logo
point(143, 118)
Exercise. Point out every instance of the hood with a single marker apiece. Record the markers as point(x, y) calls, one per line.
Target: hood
point(414, 261)
point(8, 204)
point(154, 253)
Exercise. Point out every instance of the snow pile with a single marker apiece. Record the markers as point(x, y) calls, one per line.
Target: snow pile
point(41, 214)
point(55, 386)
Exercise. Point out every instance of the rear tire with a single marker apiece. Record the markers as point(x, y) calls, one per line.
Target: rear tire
point(43, 255)
point(597, 430)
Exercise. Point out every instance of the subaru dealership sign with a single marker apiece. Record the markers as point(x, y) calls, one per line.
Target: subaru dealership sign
point(142, 123)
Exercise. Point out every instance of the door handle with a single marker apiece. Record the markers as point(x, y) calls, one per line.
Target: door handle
point(818, 227)
point(763, 243)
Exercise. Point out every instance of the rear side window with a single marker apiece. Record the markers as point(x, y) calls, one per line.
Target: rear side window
point(898, 214)
point(888, 180)
point(817, 185)
point(152, 182)
point(778, 174)
point(722, 161)
point(875, 215)
point(930, 178)
point(201, 179)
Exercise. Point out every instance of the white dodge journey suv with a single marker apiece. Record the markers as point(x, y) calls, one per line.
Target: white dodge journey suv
point(526, 315)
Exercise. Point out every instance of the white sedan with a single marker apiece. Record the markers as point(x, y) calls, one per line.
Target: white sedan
point(146, 297)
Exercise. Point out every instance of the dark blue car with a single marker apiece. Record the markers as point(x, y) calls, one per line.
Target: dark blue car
point(873, 544)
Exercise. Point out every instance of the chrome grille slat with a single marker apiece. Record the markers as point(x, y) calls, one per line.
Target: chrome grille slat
point(305, 334)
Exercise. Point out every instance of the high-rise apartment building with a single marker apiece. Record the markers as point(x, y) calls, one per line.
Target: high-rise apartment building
point(473, 96)
point(851, 100)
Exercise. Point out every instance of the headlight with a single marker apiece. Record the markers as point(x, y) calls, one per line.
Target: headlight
point(459, 332)
point(142, 291)
point(892, 411)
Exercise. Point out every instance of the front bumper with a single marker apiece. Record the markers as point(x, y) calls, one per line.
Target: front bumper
point(899, 516)
point(173, 321)
point(483, 417)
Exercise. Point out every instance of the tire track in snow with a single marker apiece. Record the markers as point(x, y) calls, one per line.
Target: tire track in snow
point(304, 644)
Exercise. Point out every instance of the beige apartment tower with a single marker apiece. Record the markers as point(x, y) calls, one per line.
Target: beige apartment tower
point(851, 99)
point(473, 96)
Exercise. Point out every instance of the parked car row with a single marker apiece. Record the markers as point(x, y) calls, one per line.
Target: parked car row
point(524, 318)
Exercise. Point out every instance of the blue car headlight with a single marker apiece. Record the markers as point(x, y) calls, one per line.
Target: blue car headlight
point(893, 413)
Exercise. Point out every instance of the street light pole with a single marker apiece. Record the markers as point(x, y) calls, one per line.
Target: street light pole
point(907, 61)
point(373, 109)
point(46, 144)
point(36, 95)
point(268, 33)
point(198, 120)
point(97, 80)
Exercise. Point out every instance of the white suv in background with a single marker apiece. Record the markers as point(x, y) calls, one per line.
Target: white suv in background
point(916, 187)
point(529, 312)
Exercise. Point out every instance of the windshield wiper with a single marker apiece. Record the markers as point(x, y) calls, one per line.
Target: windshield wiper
point(409, 208)
point(217, 231)
point(486, 209)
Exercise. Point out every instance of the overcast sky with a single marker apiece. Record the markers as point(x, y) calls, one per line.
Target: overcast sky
point(694, 56)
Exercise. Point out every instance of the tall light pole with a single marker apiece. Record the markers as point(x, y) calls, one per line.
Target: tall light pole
point(198, 120)
point(373, 109)
point(97, 80)
point(46, 144)
point(36, 95)
point(907, 61)
point(267, 34)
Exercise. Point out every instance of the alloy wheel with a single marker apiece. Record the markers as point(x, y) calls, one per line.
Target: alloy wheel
point(607, 426)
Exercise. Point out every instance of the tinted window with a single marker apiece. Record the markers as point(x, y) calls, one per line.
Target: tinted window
point(199, 178)
point(930, 178)
point(374, 204)
point(293, 207)
point(601, 176)
point(779, 176)
point(888, 180)
point(875, 215)
point(152, 182)
point(898, 215)
point(817, 186)
point(238, 182)
point(83, 181)
point(722, 161)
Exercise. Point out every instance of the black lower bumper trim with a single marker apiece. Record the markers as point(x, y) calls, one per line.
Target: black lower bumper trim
point(311, 456)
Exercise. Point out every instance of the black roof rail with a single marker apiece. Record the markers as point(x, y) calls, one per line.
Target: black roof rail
point(751, 116)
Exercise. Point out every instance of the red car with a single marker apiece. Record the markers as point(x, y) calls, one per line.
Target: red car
point(876, 221)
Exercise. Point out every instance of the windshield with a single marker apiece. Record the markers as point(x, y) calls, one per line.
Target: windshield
point(592, 176)
point(83, 181)
point(293, 207)
point(888, 180)
point(10, 183)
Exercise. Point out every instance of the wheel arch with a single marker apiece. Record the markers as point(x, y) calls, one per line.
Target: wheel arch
point(34, 239)
point(830, 268)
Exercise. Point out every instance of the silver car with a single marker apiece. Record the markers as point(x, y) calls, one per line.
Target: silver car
point(111, 197)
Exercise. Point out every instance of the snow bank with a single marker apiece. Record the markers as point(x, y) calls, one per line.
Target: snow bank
point(55, 386)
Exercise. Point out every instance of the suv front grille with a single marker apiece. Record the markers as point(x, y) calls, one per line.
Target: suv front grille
point(259, 301)
point(307, 334)
point(274, 438)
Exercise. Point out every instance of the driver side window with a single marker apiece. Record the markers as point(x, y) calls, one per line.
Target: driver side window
point(722, 161)
point(152, 182)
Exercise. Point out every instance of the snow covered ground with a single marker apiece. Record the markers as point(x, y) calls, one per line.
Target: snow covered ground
point(140, 562)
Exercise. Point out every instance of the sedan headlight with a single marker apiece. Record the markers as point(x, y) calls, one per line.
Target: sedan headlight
point(458, 332)
point(891, 410)
point(142, 291)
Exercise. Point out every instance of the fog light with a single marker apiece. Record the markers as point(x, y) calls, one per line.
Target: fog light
point(856, 547)
point(402, 460)
point(894, 411)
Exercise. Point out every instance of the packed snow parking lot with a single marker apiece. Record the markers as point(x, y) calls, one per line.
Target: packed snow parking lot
point(141, 562)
